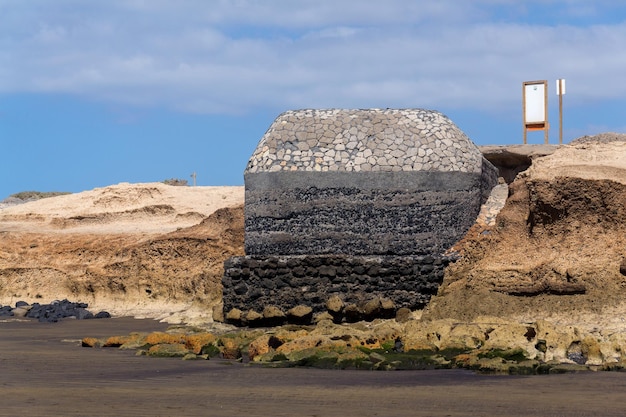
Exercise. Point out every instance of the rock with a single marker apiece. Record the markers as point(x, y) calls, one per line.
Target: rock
point(376, 357)
point(564, 368)
point(318, 342)
point(56, 311)
point(622, 267)
point(273, 316)
point(324, 316)
point(161, 338)
point(82, 314)
point(168, 350)
point(194, 357)
point(133, 341)
point(196, 342)
point(118, 341)
point(259, 346)
point(387, 308)
point(352, 313)
point(334, 305)
point(464, 336)
point(6, 311)
point(20, 311)
point(91, 342)
point(425, 335)
point(372, 309)
point(263, 345)
point(300, 314)
point(403, 315)
point(253, 318)
point(592, 351)
point(236, 345)
point(503, 334)
point(558, 340)
point(218, 312)
point(234, 316)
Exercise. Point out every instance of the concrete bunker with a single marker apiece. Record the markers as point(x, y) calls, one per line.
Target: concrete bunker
point(356, 205)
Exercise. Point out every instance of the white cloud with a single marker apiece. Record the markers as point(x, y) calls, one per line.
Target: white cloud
point(230, 56)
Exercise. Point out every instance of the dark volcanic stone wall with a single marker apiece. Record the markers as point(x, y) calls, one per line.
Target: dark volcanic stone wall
point(286, 282)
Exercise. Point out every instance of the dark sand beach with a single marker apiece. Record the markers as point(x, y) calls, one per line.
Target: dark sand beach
point(45, 371)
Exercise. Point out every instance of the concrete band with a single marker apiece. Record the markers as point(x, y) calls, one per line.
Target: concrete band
point(413, 180)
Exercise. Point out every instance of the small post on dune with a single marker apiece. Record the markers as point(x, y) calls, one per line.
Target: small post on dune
point(560, 90)
point(193, 176)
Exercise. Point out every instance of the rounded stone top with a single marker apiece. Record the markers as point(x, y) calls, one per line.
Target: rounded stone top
point(364, 140)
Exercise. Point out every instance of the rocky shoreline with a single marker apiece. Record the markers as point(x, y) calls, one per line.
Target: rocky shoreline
point(490, 346)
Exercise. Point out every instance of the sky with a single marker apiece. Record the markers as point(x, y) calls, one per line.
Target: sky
point(98, 92)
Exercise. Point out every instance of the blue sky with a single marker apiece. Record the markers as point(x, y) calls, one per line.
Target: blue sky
point(97, 92)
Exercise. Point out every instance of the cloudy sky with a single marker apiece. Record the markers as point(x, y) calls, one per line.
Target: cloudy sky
point(97, 92)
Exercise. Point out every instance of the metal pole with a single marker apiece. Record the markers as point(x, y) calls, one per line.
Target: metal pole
point(560, 111)
point(546, 126)
point(524, 111)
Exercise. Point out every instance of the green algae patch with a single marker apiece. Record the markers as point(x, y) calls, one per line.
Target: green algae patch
point(168, 350)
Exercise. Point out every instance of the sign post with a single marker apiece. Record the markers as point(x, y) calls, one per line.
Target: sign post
point(560, 91)
point(535, 107)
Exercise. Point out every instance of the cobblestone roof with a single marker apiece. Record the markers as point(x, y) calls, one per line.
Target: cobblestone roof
point(364, 140)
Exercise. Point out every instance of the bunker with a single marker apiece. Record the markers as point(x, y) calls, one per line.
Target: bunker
point(357, 204)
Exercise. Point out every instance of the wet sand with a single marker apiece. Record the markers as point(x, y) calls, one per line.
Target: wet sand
point(44, 371)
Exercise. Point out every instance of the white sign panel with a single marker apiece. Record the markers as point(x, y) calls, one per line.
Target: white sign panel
point(535, 103)
point(560, 83)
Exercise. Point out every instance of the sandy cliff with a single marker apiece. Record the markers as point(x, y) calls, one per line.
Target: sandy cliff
point(556, 249)
point(149, 250)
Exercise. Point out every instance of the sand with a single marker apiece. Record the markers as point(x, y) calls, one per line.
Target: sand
point(140, 208)
point(45, 371)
